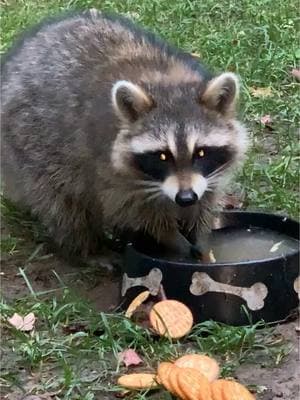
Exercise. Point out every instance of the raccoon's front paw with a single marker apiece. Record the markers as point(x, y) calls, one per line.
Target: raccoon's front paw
point(196, 252)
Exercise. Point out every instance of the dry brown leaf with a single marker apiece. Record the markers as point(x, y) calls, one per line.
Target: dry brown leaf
point(23, 323)
point(130, 357)
point(261, 91)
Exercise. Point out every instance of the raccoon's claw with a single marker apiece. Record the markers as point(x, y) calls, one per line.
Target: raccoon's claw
point(196, 252)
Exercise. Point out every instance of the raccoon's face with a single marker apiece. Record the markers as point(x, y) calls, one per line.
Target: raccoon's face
point(181, 150)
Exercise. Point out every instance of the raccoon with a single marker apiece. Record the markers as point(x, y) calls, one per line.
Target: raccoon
point(105, 125)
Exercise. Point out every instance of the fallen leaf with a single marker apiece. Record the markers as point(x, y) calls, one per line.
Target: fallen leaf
point(130, 357)
point(266, 120)
point(276, 246)
point(261, 91)
point(296, 73)
point(23, 323)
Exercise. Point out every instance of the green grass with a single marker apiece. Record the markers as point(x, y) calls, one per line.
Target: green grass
point(75, 348)
point(258, 40)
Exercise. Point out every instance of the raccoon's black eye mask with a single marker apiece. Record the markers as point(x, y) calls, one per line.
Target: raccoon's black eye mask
point(160, 164)
point(156, 164)
point(208, 159)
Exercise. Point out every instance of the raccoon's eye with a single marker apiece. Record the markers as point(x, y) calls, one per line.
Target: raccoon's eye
point(200, 153)
point(163, 156)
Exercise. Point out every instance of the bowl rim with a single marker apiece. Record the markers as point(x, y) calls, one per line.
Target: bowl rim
point(195, 265)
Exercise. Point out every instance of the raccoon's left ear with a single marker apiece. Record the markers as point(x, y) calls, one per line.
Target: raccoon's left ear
point(221, 94)
point(130, 101)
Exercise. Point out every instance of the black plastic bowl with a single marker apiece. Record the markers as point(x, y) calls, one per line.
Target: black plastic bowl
point(276, 280)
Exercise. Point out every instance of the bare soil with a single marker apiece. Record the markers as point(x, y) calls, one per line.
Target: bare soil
point(103, 289)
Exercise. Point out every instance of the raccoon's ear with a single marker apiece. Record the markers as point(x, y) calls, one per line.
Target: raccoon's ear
point(221, 94)
point(130, 101)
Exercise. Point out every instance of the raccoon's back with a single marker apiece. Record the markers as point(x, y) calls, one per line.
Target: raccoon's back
point(56, 86)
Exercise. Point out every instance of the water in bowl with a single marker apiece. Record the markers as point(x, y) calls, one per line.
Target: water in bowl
point(235, 245)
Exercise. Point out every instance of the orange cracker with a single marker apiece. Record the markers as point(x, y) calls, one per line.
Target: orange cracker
point(171, 318)
point(138, 381)
point(217, 389)
point(136, 302)
point(173, 380)
point(194, 385)
point(204, 364)
point(163, 371)
point(230, 390)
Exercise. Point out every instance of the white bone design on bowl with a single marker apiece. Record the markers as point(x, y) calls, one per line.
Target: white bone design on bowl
point(254, 295)
point(152, 281)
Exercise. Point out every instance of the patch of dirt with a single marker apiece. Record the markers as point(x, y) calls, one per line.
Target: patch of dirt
point(98, 286)
point(282, 382)
point(103, 290)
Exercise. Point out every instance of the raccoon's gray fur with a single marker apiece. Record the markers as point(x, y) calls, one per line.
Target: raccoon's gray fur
point(104, 124)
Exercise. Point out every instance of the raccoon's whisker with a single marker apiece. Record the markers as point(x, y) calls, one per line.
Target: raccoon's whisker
point(145, 190)
point(212, 184)
point(218, 170)
point(215, 177)
point(153, 196)
point(146, 183)
point(151, 189)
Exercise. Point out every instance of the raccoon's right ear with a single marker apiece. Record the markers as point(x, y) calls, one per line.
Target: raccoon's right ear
point(130, 101)
point(221, 94)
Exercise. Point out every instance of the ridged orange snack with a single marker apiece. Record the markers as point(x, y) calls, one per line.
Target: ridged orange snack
point(194, 385)
point(136, 302)
point(229, 390)
point(138, 381)
point(174, 383)
point(171, 318)
point(163, 371)
point(204, 364)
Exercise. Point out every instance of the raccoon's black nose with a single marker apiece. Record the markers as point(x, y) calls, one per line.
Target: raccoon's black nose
point(186, 198)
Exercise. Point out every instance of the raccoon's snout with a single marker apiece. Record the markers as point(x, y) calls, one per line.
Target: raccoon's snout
point(185, 198)
point(185, 193)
